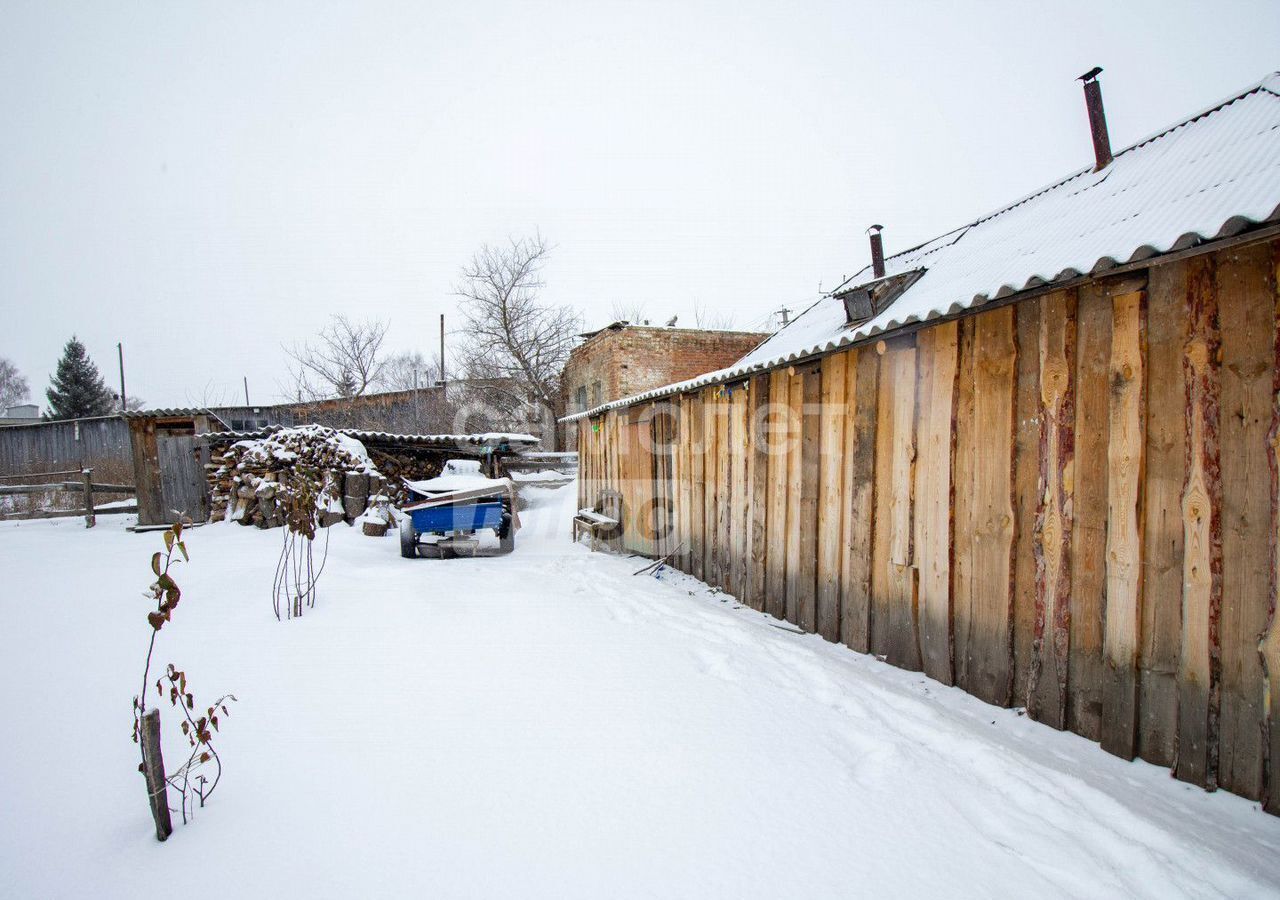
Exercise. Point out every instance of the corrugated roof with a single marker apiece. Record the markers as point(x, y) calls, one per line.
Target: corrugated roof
point(1208, 177)
point(496, 439)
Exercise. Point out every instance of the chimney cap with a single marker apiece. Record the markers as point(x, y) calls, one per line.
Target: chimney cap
point(1091, 74)
point(875, 228)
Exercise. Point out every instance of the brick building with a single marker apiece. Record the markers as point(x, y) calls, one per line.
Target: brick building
point(622, 359)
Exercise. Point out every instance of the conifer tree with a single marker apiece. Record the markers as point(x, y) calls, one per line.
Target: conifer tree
point(77, 390)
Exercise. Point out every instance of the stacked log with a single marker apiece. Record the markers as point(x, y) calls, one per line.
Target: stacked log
point(247, 476)
point(396, 466)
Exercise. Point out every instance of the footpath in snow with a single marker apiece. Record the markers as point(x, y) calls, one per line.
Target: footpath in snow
point(543, 725)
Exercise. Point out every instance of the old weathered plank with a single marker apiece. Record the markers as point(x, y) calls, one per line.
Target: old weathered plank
point(962, 515)
point(776, 522)
point(711, 488)
point(895, 622)
point(831, 496)
point(861, 389)
point(1026, 476)
point(1270, 646)
point(1161, 620)
point(724, 490)
point(739, 506)
point(1089, 528)
point(697, 479)
point(1047, 686)
point(985, 667)
point(936, 358)
point(1201, 508)
point(1126, 444)
point(1248, 335)
point(759, 504)
point(795, 457)
point(810, 445)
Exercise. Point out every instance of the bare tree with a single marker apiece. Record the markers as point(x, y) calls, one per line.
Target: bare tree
point(398, 371)
point(13, 387)
point(633, 312)
point(513, 337)
point(343, 361)
point(715, 321)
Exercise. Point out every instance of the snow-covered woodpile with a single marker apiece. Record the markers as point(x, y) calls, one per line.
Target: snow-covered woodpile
point(246, 476)
point(405, 463)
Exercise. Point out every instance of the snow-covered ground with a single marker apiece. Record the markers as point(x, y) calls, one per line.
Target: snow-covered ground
point(543, 725)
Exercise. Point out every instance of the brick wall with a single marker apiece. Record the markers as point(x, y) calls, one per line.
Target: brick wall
point(636, 358)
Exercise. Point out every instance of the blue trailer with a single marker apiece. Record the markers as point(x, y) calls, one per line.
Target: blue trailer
point(445, 522)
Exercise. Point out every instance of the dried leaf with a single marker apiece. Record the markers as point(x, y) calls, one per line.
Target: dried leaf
point(168, 541)
point(204, 757)
point(183, 547)
point(185, 727)
point(155, 563)
point(156, 619)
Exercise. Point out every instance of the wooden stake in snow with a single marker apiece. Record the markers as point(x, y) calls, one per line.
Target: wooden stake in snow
point(153, 772)
point(89, 518)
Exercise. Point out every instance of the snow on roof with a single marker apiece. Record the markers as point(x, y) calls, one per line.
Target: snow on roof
point(496, 439)
point(1210, 176)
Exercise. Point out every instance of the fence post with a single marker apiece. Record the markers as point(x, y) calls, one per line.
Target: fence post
point(153, 771)
point(89, 518)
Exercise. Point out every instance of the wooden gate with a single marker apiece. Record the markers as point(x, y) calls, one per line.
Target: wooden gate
point(182, 481)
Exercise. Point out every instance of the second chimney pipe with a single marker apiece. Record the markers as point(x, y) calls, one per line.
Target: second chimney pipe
point(877, 251)
point(1097, 118)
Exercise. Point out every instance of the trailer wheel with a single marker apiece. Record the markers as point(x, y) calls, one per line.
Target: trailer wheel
point(506, 534)
point(408, 538)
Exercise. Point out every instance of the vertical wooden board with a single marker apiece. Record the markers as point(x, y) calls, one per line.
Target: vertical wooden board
point(962, 513)
point(936, 350)
point(1165, 466)
point(1126, 443)
point(1201, 507)
point(810, 446)
point(1089, 528)
point(724, 490)
point(894, 620)
point(776, 521)
point(710, 486)
point(1055, 359)
point(861, 370)
point(987, 671)
point(739, 506)
point(697, 481)
point(831, 496)
point(1026, 474)
point(680, 491)
point(759, 491)
point(1246, 311)
point(1270, 644)
point(795, 458)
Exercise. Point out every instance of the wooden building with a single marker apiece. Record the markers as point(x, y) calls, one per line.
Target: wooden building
point(1037, 458)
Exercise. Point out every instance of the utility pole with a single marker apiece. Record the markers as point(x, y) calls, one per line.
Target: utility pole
point(417, 415)
point(441, 349)
point(246, 390)
point(124, 403)
point(785, 315)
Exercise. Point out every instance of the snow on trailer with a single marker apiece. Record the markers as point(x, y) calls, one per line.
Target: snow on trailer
point(455, 506)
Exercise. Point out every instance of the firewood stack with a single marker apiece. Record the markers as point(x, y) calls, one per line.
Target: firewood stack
point(246, 476)
point(396, 466)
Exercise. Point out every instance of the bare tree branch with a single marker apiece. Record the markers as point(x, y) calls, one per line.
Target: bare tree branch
point(511, 335)
point(343, 361)
point(13, 387)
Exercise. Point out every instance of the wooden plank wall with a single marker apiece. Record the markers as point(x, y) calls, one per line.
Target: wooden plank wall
point(1068, 504)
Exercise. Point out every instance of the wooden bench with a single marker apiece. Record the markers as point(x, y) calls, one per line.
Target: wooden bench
point(596, 522)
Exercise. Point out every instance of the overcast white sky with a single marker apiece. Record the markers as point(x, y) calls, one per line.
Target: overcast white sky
point(206, 181)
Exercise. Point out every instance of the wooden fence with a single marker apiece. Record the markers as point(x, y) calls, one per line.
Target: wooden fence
point(1067, 503)
point(84, 486)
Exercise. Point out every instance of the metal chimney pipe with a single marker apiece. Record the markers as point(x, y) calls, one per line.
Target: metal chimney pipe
point(1097, 118)
point(877, 251)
